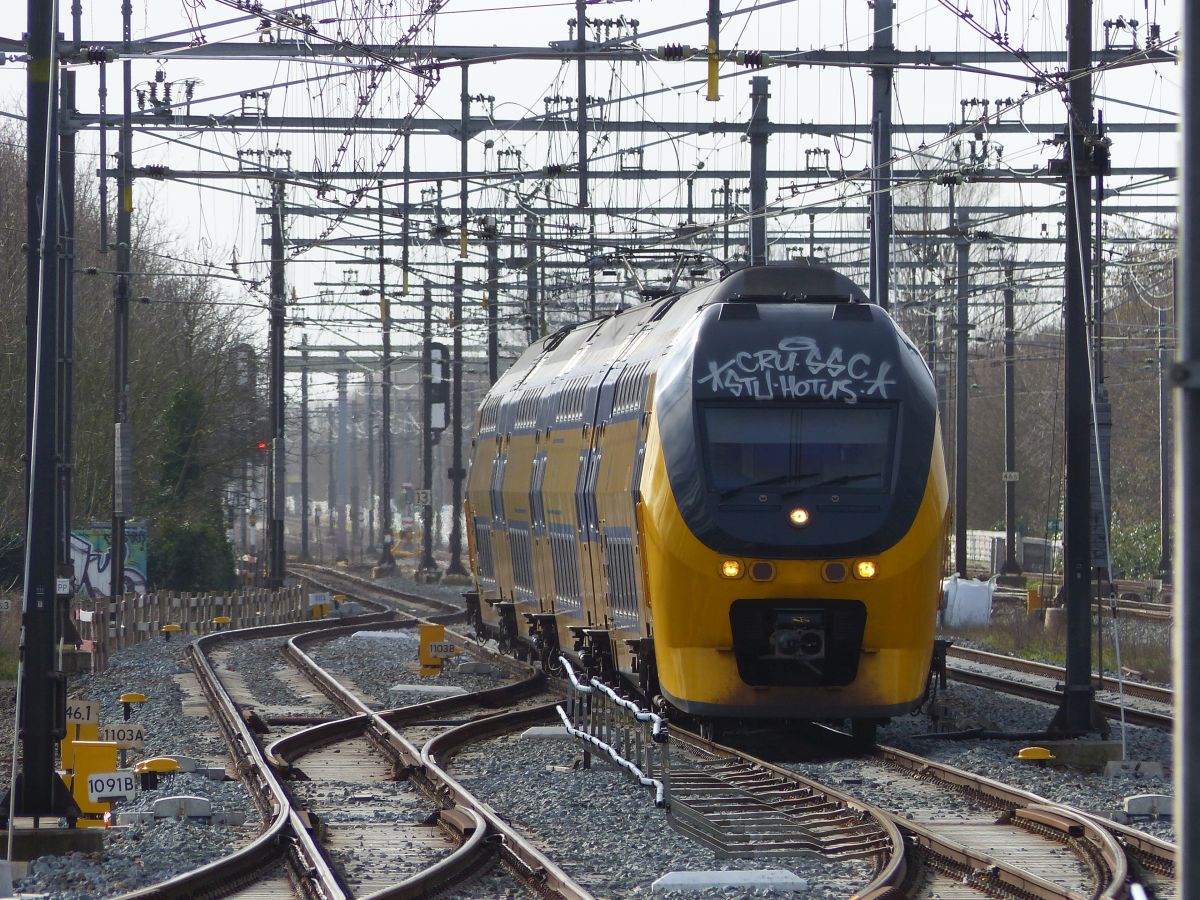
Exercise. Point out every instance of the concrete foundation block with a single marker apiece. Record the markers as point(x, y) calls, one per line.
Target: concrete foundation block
point(30, 843)
point(135, 818)
point(1134, 767)
point(183, 807)
point(382, 636)
point(1083, 754)
point(774, 880)
point(547, 733)
point(1149, 806)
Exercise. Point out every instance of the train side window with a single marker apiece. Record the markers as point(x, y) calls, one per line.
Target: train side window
point(564, 555)
point(483, 552)
point(522, 559)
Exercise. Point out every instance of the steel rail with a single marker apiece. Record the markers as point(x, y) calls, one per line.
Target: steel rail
point(525, 859)
point(285, 836)
point(1155, 854)
point(1154, 692)
point(321, 575)
point(1132, 715)
point(895, 870)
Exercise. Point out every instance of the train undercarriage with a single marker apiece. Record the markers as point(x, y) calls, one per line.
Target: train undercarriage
point(535, 636)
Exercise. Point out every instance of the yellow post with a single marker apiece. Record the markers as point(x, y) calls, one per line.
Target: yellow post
point(1033, 600)
point(430, 634)
point(714, 63)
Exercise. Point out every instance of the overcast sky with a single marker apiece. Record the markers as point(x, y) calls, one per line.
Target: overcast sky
point(211, 220)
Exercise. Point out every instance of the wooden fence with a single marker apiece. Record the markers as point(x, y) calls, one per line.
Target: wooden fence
point(139, 617)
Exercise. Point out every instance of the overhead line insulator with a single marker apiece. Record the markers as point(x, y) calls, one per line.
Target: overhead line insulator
point(754, 59)
point(676, 52)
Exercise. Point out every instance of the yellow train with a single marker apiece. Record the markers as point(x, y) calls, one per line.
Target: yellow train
point(734, 499)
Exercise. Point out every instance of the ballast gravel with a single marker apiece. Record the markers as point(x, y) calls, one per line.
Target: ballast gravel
point(1091, 792)
point(260, 663)
point(596, 818)
point(140, 855)
point(378, 664)
point(604, 830)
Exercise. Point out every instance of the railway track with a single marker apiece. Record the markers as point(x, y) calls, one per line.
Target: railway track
point(1140, 609)
point(392, 744)
point(1157, 714)
point(934, 830)
point(345, 582)
point(330, 791)
point(336, 774)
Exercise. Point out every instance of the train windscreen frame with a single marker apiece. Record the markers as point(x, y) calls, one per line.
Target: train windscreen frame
point(794, 448)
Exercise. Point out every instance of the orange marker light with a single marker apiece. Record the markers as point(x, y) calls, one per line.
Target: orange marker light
point(865, 569)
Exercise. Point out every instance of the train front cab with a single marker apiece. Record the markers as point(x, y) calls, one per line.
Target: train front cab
point(750, 632)
point(883, 673)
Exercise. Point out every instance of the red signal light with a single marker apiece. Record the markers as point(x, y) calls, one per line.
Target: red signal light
point(262, 445)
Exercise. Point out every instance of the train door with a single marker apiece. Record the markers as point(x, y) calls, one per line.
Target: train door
point(565, 449)
point(542, 574)
point(617, 480)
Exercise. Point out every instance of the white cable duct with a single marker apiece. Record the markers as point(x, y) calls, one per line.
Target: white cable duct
point(658, 732)
point(659, 789)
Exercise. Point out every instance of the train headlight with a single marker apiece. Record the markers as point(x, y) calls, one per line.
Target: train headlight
point(731, 568)
point(799, 517)
point(865, 569)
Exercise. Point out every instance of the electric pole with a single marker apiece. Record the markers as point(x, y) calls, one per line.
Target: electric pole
point(1010, 567)
point(277, 469)
point(386, 561)
point(1077, 714)
point(760, 130)
point(39, 790)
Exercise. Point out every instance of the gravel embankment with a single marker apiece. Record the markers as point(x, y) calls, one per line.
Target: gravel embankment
point(382, 667)
point(140, 855)
point(976, 707)
point(605, 830)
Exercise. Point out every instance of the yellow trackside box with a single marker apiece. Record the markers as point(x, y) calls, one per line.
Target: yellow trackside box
point(66, 747)
point(429, 636)
point(92, 758)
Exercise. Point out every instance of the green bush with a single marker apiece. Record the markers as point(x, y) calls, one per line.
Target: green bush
point(188, 556)
point(1135, 550)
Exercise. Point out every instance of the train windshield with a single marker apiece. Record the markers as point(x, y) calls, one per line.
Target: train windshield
point(799, 448)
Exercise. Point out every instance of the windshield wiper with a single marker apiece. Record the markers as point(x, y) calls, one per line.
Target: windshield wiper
point(843, 479)
point(765, 482)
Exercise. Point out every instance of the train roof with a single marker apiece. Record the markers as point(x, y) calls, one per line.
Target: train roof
point(788, 281)
point(582, 347)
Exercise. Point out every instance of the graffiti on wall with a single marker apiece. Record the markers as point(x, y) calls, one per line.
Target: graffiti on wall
point(91, 555)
